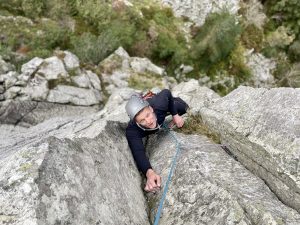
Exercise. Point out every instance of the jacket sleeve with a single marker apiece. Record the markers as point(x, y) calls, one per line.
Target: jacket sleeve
point(138, 150)
point(170, 101)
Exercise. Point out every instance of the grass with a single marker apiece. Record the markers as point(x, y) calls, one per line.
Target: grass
point(145, 81)
point(195, 125)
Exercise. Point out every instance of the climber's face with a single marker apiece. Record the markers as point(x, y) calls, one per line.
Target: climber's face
point(147, 118)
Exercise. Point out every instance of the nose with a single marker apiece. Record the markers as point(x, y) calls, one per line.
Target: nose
point(148, 121)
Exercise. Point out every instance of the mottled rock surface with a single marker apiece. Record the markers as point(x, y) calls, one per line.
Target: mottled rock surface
point(262, 129)
point(69, 171)
point(30, 113)
point(210, 187)
point(75, 167)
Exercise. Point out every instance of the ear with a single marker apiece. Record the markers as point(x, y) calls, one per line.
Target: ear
point(152, 110)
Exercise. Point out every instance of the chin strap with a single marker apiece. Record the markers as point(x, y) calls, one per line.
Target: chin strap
point(149, 129)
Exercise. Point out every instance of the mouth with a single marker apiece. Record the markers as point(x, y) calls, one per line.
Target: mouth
point(151, 125)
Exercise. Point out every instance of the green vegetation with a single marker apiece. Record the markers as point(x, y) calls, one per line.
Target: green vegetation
point(195, 125)
point(25, 167)
point(30, 39)
point(281, 39)
point(219, 53)
point(145, 81)
point(215, 40)
point(286, 13)
point(94, 29)
point(252, 37)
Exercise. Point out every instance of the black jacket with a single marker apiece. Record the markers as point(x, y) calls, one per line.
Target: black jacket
point(163, 103)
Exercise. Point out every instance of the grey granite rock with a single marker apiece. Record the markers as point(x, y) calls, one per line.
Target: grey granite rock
point(30, 68)
point(74, 95)
point(262, 129)
point(59, 174)
point(37, 88)
point(53, 68)
point(29, 113)
point(71, 61)
point(5, 66)
point(210, 187)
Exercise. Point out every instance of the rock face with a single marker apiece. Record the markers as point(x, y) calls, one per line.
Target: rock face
point(69, 171)
point(198, 10)
point(210, 187)
point(79, 169)
point(261, 127)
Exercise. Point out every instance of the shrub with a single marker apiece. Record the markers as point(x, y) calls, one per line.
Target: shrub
point(228, 74)
point(215, 40)
point(237, 66)
point(294, 51)
point(50, 36)
point(252, 37)
point(283, 65)
point(91, 48)
point(277, 41)
point(21, 31)
point(292, 77)
point(286, 73)
point(285, 12)
point(169, 50)
point(169, 47)
point(28, 8)
point(33, 8)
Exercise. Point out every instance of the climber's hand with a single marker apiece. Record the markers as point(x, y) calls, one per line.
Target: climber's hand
point(153, 181)
point(178, 120)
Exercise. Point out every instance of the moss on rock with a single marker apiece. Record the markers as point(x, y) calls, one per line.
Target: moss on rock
point(145, 81)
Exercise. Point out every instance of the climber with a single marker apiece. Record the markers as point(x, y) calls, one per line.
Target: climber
point(147, 117)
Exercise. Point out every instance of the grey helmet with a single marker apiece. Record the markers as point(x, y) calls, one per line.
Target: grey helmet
point(135, 104)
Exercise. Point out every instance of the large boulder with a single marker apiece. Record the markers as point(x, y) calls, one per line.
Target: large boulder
point(79, 169)
point(75, 170)
point(261, 128)
point(210, 187)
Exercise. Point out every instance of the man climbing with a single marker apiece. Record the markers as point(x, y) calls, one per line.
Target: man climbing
point(146, 117)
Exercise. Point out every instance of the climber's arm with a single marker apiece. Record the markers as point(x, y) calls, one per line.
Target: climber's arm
point(138, 151)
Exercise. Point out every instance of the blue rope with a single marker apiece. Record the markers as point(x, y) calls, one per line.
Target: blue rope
point(158, 213)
